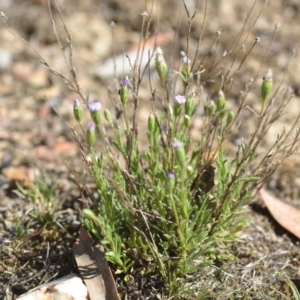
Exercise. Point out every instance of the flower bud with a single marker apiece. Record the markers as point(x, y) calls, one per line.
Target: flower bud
point(251, 179)
point(180, 153)
point(190, 106)
point(161, 66)
point(221, 104)
point(179, 101)
point(211, 108)
point(123, 92)
point(94, 108)
point(151, 123)
point(91, 135)
point(187, 121)
point(266, 86)
point(77, 110)
point(107, 116)
point(190, 170)
point(229, 119)
point(170, 182)
point(88, 213)
point(186, 70)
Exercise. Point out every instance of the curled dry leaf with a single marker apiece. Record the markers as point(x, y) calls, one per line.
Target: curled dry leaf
point(286, 215)
point(94, 269)
point(69, 287)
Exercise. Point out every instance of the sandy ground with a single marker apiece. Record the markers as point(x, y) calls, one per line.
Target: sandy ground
point(36, 112)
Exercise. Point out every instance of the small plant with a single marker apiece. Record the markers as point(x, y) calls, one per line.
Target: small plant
point(171, 205)
point(42, 238)
point(176, 206)
point(45, 202)
point(21, 228)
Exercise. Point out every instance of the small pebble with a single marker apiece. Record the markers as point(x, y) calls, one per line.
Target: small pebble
point(5, 59)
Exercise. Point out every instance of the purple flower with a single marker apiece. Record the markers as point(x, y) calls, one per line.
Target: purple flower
point(171, 175)
point(91, 126)
point(186, 61)
point(123, 92)
point(125, 82)
point(77, 110)
point(76, 102)
point(94, 106)
point(170, 182)
point(179, 99)
point(177, 145)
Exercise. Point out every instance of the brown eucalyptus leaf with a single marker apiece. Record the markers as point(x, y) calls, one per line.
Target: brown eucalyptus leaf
point(286, 215)
point(69, 287)
point(94, 268)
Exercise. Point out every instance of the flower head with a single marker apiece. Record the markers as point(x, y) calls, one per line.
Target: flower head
point(91, 126)
point(186, 71)
point(211, 108)
point(177, 145)
point(266, 86)
point(144, 14)
point(186, 61)
point(151, 123)
point(123, 92)
point(221, 104)
point(190, 105)
point(76, 102)
point(180, 99)
point(94, 106)
point(91, 135)
point(125, 82)
point(107, 116)
point(77, 110)
point(187, 121)
point(170, 175)
point(170, 182)
point(161, 66)
point(230, 118)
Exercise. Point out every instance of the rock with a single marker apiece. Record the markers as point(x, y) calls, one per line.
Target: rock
point(122, 64)
point(5, 59)
point(39, 78)
point(91, 36)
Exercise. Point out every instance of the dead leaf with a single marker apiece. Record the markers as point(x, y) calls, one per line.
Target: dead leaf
point(94, 268)
point(25, 176)
point(59, 149)
point(286, 215)
point(207, 179)
point(69, 287)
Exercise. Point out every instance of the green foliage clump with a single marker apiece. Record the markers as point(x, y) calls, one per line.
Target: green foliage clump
point(45, 203)
point(175, 205)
